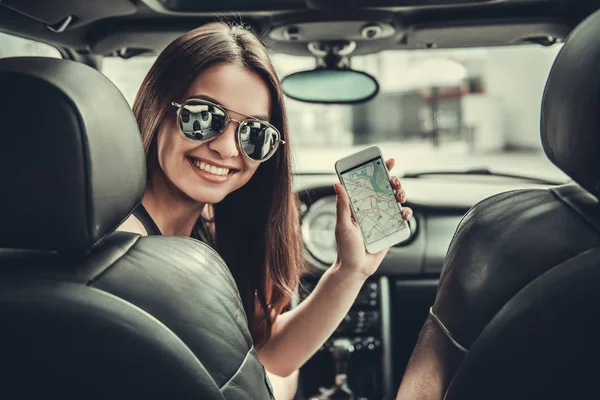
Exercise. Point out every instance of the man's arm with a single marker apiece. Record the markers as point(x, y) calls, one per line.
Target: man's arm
point(431, 366)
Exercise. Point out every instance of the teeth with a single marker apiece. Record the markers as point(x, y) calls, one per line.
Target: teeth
point(210, 168)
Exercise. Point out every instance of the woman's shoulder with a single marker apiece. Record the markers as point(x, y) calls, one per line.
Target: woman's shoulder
point(133, 225)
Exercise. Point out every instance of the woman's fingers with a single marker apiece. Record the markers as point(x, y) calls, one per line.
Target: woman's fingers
point(395, 181)
point(400, 193)
point(397, 186)
point(407, 213)
point(390, 163)
point(401, 196)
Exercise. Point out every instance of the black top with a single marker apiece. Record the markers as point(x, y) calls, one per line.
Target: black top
point(151, 228)
point(142, 215)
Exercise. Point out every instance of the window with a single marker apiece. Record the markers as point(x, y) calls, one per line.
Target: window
point(127, 74)
point(14, 46)
point(442, 109)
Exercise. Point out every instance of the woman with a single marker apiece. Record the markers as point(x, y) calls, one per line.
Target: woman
point(219, 172)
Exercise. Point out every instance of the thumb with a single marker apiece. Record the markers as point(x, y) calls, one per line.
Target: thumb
point(344, 216)
point(390, 164)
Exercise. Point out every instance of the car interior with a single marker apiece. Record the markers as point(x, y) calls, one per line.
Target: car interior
point(494, 294)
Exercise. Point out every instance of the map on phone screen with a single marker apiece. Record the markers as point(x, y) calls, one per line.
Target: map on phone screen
point(373, 201)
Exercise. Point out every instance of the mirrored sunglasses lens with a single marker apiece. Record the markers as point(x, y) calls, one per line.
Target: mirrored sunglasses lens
point(201, 121)
point(258, 140)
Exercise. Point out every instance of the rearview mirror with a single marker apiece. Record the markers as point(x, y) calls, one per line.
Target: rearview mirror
point(330, 86)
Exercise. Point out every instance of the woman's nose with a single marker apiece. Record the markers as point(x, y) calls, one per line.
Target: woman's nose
point(225, 144)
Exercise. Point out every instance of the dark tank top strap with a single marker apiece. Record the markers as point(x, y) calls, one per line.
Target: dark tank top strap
point(142, 215)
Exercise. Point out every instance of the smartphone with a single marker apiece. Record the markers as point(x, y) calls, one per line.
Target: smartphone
point(372, 199)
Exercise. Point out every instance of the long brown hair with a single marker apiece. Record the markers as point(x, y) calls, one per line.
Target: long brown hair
point(256, 228)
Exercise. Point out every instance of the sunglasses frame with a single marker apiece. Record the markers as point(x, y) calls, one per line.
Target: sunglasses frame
point(228, 119)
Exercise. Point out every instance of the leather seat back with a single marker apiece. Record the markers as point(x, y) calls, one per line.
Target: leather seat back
point(509, 249)
point(88, 312)
point(65, 340)
point(543, 344)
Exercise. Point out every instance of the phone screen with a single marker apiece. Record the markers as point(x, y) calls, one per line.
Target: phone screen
point(373, 201)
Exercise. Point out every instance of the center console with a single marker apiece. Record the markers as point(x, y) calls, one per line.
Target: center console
point(359, 349)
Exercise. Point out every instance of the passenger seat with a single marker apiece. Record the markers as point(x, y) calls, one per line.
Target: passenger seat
point(87, 312)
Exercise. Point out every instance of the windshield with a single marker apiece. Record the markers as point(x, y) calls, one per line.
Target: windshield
point(437, 110)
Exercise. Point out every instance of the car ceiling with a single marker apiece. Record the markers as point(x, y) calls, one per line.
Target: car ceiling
point(130, 27)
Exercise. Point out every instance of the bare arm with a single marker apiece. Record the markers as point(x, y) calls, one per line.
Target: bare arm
point(431, 367)
point(298, 334)
point(284, 388)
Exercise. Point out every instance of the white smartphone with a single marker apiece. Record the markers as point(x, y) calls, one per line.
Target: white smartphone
point(372, 199)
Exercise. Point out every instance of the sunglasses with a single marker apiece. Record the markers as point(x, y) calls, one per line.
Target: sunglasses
point(201, 120)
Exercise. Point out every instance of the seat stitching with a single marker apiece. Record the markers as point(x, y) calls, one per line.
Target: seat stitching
point(447, 331)
point(566, 202)
point(109, 266)
point(239, 368)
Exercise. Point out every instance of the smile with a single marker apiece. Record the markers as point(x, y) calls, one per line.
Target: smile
point(209, 168)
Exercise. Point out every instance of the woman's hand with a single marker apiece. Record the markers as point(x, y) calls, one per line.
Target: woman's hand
point(352, 255)
point(298, 333)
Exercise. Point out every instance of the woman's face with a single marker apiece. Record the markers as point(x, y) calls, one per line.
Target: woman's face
point(185, 163)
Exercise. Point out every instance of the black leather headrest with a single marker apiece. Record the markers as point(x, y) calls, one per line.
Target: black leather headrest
point(570, 124)
point(71, 158)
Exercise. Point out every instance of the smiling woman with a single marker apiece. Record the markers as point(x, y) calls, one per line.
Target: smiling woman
point(232, 86)
point(204, 177)
point(239, 88)
point(214, 128)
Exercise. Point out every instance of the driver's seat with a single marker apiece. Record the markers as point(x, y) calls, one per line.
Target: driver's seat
point(516, 312)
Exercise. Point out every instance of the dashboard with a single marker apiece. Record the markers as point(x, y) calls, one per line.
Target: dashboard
point(438, 205)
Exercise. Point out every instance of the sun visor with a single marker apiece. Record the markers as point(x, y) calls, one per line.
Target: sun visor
point(194, 7)
point(152, 42)
point(62, 15)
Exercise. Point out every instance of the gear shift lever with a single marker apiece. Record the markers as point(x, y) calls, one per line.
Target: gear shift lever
point(341, 350)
